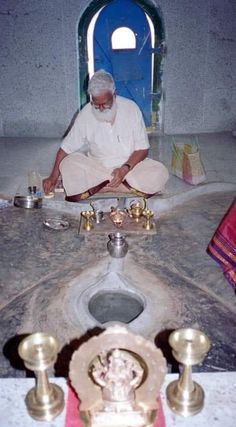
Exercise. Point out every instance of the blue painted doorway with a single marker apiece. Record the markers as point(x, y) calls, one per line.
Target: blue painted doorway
point(131, 67)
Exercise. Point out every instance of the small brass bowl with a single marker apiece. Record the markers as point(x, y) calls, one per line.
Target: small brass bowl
point(189, 345)
point(38, 350)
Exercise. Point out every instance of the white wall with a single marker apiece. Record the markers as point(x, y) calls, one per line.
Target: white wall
point(200, 69)
point(39, 65)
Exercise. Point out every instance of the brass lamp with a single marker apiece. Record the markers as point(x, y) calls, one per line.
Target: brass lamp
point(44, 401)
point(189, 347)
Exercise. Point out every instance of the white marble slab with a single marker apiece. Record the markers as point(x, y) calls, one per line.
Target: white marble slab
point(219, 409)
point(220, 402)
point(12, 406)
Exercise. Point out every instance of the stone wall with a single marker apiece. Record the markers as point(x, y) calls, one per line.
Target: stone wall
point(39, 85)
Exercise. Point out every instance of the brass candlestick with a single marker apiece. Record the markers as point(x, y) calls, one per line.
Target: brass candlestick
point(148, 214)
point(88, 215)
point(189, 347)
point(44, 401)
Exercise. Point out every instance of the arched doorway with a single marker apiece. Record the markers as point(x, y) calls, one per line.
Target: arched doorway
point(131, 66)
point(142, 80)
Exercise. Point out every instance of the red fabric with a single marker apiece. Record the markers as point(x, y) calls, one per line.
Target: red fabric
point(222, 247)
point(73, 418)
point(72, 411)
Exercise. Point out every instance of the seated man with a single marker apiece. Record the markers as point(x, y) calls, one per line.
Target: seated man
point(111, 130)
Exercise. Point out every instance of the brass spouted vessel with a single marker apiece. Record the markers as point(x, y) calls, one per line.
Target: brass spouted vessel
point(136, 209)
point(46, 400)
point(189, 347)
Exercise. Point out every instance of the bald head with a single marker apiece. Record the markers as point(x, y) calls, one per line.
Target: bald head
point(100, 83)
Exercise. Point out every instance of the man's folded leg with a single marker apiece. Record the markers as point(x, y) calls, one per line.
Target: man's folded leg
point(82, 176)
point(148, 177)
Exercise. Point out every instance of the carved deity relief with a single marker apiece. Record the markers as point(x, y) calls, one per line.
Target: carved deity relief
point(118, 376)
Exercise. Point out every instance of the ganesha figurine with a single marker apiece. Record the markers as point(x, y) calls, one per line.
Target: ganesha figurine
point(118, 376)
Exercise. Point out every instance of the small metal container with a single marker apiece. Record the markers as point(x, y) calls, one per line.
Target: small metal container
point(99, 216)
point(28, 202)
point(117, 245)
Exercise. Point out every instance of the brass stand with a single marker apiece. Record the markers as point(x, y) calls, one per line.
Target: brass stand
point(148, 214)
point(45, 401)
point(88, 215)
point(189, 347)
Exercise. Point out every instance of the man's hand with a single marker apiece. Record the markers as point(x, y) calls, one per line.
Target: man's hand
point(49, 184)
point(118, 176)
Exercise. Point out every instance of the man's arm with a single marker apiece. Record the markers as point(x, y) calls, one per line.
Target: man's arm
point(119, 173)
point(50, 182)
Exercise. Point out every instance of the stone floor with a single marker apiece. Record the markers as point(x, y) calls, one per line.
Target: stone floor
point(218, 153)
point(219, 403)
point(41, 267)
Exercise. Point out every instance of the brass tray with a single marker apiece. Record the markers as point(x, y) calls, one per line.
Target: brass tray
point(130, 226)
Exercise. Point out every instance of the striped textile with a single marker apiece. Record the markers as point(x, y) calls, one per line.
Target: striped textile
point(222, 247)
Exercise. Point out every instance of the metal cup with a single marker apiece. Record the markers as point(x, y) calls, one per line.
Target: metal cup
point(99, 216)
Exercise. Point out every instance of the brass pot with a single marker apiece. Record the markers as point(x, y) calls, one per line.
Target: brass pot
point(136, 209)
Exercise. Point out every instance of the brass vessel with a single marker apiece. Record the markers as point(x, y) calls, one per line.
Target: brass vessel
point(136, 209)
point(118, 217)
point(88, 215)
point(117, 245)
point(189, 347)
point(44, 401)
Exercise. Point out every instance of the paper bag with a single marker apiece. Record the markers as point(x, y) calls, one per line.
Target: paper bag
point(186, 163)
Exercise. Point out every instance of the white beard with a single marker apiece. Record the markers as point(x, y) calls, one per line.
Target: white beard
point(105, 115)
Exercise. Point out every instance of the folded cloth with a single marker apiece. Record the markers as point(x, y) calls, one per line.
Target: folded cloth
point(222, 247)
point(73, 418)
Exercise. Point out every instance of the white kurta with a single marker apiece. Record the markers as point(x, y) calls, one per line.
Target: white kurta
point(108, 146)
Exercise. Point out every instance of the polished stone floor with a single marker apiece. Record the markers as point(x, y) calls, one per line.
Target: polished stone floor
point(20, 155)
point(39, 267)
